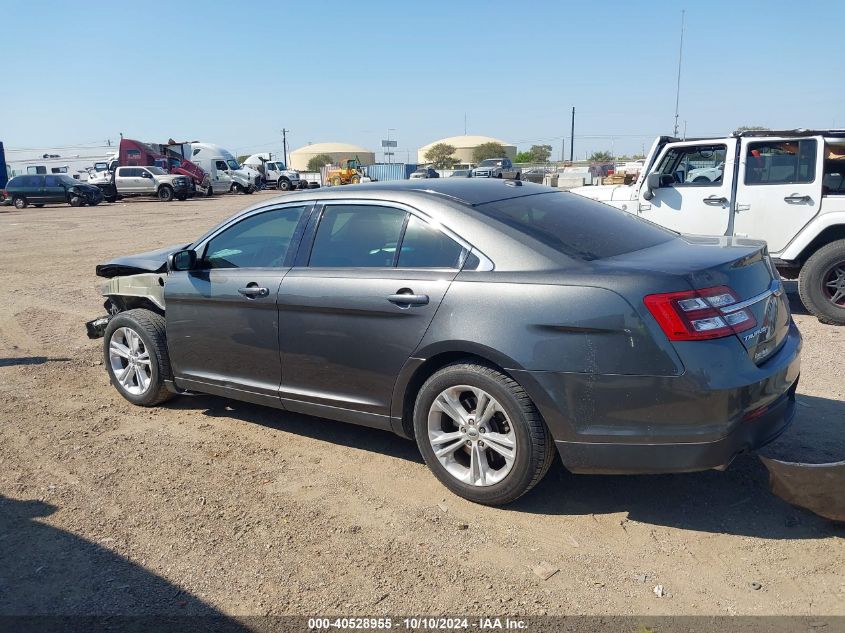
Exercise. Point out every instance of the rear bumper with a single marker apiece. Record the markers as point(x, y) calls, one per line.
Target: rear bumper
point(657, 424)
point(607, 458)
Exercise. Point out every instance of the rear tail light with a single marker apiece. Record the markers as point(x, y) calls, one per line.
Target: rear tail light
point(697, 314)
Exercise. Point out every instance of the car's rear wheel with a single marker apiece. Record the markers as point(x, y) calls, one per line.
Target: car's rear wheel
point(480, 433)
point(821, 283)
point(135, 349)
point(19, 202)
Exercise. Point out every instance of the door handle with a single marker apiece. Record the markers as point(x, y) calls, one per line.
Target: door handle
point(714, 201)
point(796, 199)
point(253, 292)
point(742, 207)
point(403, 299)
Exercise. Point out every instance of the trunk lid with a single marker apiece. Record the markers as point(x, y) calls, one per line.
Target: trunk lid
point(743, 266)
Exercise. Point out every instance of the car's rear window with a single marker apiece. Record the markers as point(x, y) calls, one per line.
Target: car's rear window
point(575, 226)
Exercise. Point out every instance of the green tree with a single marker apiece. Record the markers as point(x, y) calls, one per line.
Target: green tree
point(441, 156)
point(540, 153)
point(318, 161)
point(241, 159)
point(488, 150)
point(600, 157)
point(524, 157)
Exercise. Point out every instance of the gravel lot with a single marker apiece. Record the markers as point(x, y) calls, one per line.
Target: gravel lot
point(211, 506)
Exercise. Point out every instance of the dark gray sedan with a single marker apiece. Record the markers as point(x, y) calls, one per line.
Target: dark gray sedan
point(491, 321)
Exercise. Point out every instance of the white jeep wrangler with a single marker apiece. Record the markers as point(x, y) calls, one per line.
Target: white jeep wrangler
point(787, 188)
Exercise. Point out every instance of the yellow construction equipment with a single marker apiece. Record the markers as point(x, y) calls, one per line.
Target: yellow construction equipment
point(349, 173)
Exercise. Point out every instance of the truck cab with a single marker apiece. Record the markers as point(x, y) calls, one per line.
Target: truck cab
point(225, 172)
point(782, 187)
point(275, 172)
point(496, 168)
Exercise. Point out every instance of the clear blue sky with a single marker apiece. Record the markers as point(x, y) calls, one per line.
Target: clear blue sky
point(235, 73)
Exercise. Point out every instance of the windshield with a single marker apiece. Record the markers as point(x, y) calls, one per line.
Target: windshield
point(157, 171)
point(490, 162)
point(280, 166)
point(67, 180)
point(575, 226)
point(232, 163)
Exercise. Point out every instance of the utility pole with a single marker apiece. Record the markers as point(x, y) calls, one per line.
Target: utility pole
point(285, 144)
point(562, 148)
point(680, 59)
point(572, 138)
point(465, 123)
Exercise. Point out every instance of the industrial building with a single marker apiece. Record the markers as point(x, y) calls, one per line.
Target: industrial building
point(337, 151)
point(464, 145)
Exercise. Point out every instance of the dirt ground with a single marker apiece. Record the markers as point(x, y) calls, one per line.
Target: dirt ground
point(209, 506)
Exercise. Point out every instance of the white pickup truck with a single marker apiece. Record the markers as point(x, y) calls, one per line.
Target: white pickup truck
point(787, 188)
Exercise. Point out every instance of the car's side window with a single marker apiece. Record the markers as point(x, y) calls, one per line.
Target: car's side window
point(780, 162)
point(424, 246)
point(259, 241)
point(357, 236)
point(52, 181)
point(221, 165)
point(697, 165)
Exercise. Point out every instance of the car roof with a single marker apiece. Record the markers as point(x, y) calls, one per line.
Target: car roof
point(468, 191)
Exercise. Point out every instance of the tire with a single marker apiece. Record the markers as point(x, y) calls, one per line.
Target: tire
point(498, 175)
point(111, 199)
point(165, 193)
point(209, 192)
point(518, 176)
point(19, 202)
point(336, 181)
point(355, 180)
point(75, 201)
point(283, 184)
point(149, 328)
point(819, 283)
point(516, 418)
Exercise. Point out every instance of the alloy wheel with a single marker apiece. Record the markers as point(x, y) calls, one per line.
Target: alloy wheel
point(130, 361)
point(471, 435)
point(833, 284)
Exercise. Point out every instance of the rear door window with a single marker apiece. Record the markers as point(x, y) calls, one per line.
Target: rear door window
point(357, 236)
point(780, 162)
point(424, 246)
point(575, 226)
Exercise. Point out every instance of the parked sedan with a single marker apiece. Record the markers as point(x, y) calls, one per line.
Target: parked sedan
point(38, 190)
point(461, 173)
point(424, 172)
point(494, 322)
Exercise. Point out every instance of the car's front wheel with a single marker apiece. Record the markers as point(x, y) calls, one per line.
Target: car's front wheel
point(481, 434)
point(135, 349)
point(165, 193)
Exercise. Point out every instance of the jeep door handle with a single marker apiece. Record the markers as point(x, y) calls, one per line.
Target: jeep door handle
point(796, 199)
point(253, 292)
point(402, 299)
point(713, 201)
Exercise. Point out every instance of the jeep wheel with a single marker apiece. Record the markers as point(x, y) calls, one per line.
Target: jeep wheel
point(283, 184)
point(821, 283)
point(135, 349)
point(19, 202)
point(481, 434)
point(165, 193)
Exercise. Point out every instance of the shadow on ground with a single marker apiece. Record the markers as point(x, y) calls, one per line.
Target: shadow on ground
point(737, 501)
point(30, 360)
point(46, 571)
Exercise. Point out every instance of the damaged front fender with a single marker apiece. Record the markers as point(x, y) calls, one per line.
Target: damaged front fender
point(143, 286)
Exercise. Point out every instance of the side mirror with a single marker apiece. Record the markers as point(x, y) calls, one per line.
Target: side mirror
point(182, 260)
point(652, 183)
